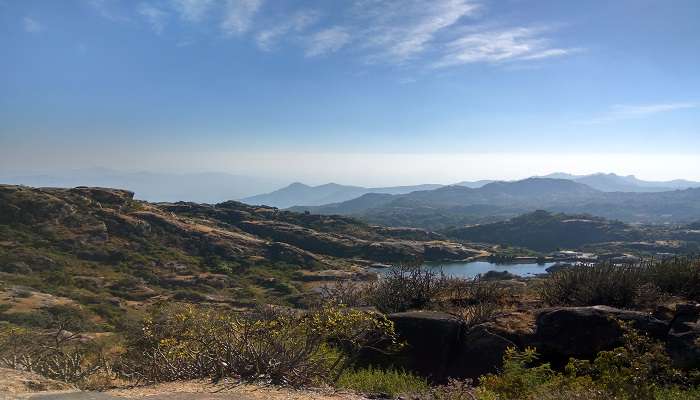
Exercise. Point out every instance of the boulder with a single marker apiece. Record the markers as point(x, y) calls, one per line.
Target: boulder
point(582, 332)
point(683, 341)
point(481, 352)
point(433, 341)
point(441, 346)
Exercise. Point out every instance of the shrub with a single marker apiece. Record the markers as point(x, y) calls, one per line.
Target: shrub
point(623, 285)
point(453, 390)
point(348, 293)
point(603, 284)
point(280, 347)
point(58, 354)
point(638, 370)
point(475, 300)
point(406, 288)
point(677, 276)
point(385, 382)
point(410, 288)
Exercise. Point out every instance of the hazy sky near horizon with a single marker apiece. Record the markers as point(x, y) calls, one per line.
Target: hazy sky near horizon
point(358, 91)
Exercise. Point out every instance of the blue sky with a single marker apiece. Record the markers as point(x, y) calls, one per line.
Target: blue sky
point(344, 90)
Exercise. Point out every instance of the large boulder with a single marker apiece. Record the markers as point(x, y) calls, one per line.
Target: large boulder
point(433, 341)
point(441, 346)
point(481, 352)
point(582, 332)
point(683, 341)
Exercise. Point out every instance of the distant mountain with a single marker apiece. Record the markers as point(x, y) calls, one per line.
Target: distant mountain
point(455, 205)
point(545, 231)
point(299, 194)
point(474, 184)
point(208, 187)
point(617, 183)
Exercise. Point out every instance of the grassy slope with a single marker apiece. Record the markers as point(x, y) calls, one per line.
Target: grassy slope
point(101, 249)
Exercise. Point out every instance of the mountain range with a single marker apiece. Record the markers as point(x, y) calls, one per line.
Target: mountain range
point(458, 205)
point(629, 183)
point(299, 194)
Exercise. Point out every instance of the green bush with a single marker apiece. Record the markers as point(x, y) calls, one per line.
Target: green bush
point(638, 370)
point(623, 285)
point(386, 382)
point(280, 347)
point(604, 284)
point(677, 276)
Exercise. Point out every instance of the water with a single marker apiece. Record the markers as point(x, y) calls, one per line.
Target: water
point(472, 268)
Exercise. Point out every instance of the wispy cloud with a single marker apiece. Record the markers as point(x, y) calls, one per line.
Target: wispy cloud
point(441, 34)
point(193, 10)
point(623, 112)
point(238, 16)
point(154, 16)
point(400, 29)
point(326, 41)
point(31, 25)
point(494, 46)
point(108, 9)
point(299, 21)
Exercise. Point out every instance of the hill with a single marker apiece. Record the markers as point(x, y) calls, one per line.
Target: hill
point(544, 231)
point(630, 183)
point(454, 205)
point(102, 249)
point(299, 194)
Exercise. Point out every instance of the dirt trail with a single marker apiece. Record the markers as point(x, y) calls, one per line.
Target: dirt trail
point(193, 390)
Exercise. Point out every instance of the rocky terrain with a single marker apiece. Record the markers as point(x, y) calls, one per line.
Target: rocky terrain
point(443, 346)
point(101, 248)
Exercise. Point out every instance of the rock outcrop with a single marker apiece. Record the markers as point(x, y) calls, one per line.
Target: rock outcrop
point(683, 341)
point(582, 332)
point(442, 346)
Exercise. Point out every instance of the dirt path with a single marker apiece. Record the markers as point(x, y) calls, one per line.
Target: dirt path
point(187, 391)
point(207, 391)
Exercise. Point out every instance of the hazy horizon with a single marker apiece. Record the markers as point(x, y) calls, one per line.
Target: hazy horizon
point(275, 180)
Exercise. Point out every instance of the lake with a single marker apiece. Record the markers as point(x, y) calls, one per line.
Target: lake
point(472, 268)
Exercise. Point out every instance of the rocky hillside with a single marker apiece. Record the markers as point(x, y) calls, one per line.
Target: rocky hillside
point(102, 249)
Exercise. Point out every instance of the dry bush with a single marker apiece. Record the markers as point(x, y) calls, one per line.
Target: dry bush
point(406, 288)
point(348, 293)
point(56, 354)
point(286, 348)
point(475, 300)
point(453, 390)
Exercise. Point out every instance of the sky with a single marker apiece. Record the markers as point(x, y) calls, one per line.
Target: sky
point(361, 92)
